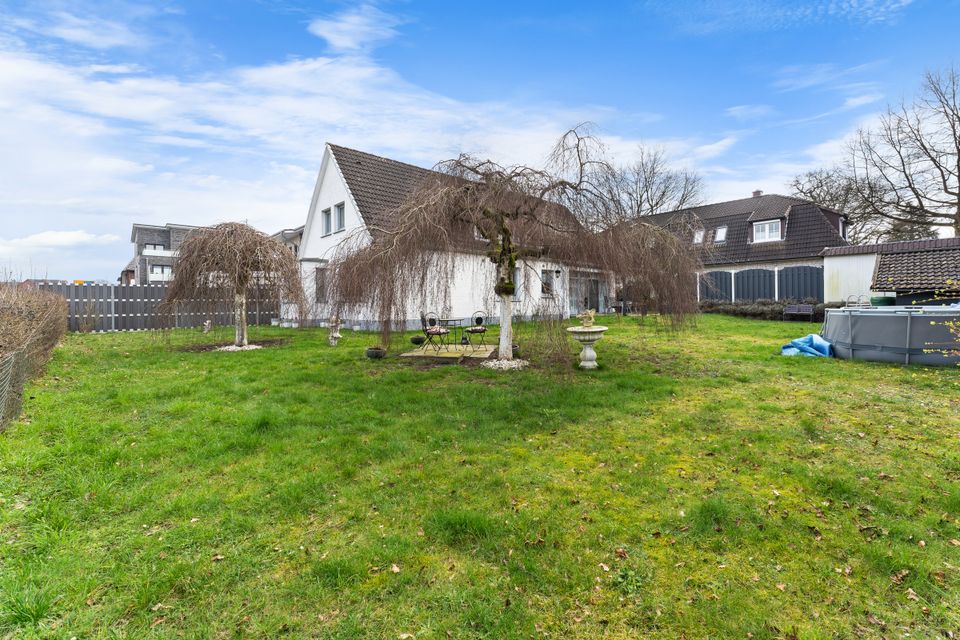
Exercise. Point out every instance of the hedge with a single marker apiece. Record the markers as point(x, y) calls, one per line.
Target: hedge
point(31, 324)
point(763, 309)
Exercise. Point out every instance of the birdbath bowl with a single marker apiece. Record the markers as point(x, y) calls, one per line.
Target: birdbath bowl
point(587, 336)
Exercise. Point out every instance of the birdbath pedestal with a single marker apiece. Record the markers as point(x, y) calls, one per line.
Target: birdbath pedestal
point(587, 336)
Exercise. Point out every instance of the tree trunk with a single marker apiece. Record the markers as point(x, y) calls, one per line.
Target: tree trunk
point(240, 319)
point(506, 327)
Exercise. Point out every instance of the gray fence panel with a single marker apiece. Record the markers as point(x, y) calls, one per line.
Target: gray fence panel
point(798, 283)
point(754, 284)
point(716, 285)
point(138, 307)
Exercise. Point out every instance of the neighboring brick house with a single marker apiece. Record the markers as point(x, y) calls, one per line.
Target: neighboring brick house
point(917, 272)
point(766, 246)
point(155, 252)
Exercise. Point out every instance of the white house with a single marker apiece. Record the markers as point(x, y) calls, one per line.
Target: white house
point(356, 190)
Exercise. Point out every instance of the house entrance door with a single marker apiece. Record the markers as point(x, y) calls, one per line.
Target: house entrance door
point(584, 292)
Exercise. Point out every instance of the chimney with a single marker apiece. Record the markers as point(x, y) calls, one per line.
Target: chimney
point(757, 193)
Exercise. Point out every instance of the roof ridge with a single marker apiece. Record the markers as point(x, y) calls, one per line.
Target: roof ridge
point(379, 157)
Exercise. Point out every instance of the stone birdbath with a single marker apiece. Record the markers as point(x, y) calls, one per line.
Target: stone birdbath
point(587, 335)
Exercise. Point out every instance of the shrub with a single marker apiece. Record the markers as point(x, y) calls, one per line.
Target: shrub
point(763, 309)
point(31, 324)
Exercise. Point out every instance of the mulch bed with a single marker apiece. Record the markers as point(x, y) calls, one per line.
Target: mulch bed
point(200, 348)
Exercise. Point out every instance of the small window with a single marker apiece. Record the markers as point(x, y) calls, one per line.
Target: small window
point(720, 235)
point(156, 247)
point(546, 282)
point(341, 214)
point(327, 222)
point(768, 231)
point(698, 236)
point(161, 269)
point(320, 284)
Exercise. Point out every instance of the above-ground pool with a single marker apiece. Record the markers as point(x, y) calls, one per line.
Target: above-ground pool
point(918, 335)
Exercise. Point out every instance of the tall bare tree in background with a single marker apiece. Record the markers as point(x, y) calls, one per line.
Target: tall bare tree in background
point(901, 180)
point(650, 185)
point(229, 262)
point(907, 169)
point(564, 212)
point(835, 189)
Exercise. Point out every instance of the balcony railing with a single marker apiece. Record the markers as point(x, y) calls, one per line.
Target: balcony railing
point(160, 277)
point(160, 253)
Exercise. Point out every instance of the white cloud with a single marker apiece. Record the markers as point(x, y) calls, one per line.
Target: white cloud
point(57, 240)
point(701, 17)
point(356, 30)
point(749, 111)
point(87, 31)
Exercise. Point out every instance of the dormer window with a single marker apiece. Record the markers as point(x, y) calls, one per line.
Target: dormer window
point(698, 236)
point(766, 231)
point(720, 235)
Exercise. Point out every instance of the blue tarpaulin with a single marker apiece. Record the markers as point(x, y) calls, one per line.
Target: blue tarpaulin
point(812, 346)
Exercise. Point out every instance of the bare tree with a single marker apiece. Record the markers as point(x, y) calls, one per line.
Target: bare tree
point(907, 169)
point(230, 261)
point(563, 212)
point(650, 185)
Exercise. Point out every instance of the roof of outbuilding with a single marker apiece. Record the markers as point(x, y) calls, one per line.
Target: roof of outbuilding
point(808, 230)
point(904, 246)
point(936, 269)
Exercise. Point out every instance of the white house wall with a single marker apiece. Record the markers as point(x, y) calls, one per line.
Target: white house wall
point(471, 283)
point(846, 276)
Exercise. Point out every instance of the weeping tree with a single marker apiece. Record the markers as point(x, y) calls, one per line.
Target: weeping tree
point(564, 212)
point(228, 263)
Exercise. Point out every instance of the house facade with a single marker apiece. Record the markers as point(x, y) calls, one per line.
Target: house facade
point(914, 272)
point(356, 191)
point(762, 247)
point(155, 250)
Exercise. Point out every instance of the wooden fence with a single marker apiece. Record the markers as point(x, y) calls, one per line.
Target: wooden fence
point(108, 307)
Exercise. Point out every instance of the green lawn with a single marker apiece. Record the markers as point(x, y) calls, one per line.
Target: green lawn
point(698, 485)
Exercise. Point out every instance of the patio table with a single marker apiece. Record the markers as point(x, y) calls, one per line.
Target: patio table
point(456, 326)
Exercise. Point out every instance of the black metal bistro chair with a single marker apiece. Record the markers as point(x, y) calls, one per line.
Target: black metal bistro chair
point(477, 330)
point(436, 333)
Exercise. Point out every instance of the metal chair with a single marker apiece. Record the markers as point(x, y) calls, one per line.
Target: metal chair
point(434, 331)
point(478, 327)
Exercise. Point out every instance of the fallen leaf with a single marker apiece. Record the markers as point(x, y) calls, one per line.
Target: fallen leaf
point(922, 543)
point(394, 568)
point(781, 586)
point(406, 636)
point(912, 595)
point(898, 577)
point(157, 621)
point(955, 542)
point(217, 557)
point(604, 567)
point(622, 553)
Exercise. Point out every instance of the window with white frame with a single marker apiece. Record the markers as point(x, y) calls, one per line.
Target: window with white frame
point(698, 236)
point(341, 217)
point(546, 282)
point(155, 247)
point(720, 235)
point(161, 269)
point(327, 222)
point(766, 231)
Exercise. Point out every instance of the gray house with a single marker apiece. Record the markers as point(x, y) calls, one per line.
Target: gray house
point(765, 246)
point(154, 252)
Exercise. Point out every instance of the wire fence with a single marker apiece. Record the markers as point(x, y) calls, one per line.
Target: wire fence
point(12, 371)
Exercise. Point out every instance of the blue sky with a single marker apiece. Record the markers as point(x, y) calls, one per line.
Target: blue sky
point(113, 113)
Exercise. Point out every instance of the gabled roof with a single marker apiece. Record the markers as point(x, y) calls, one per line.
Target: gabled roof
point(379, 185)
point(807, 229)
point(935, 268)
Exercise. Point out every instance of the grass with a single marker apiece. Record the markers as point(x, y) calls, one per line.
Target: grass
point(697, 485)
